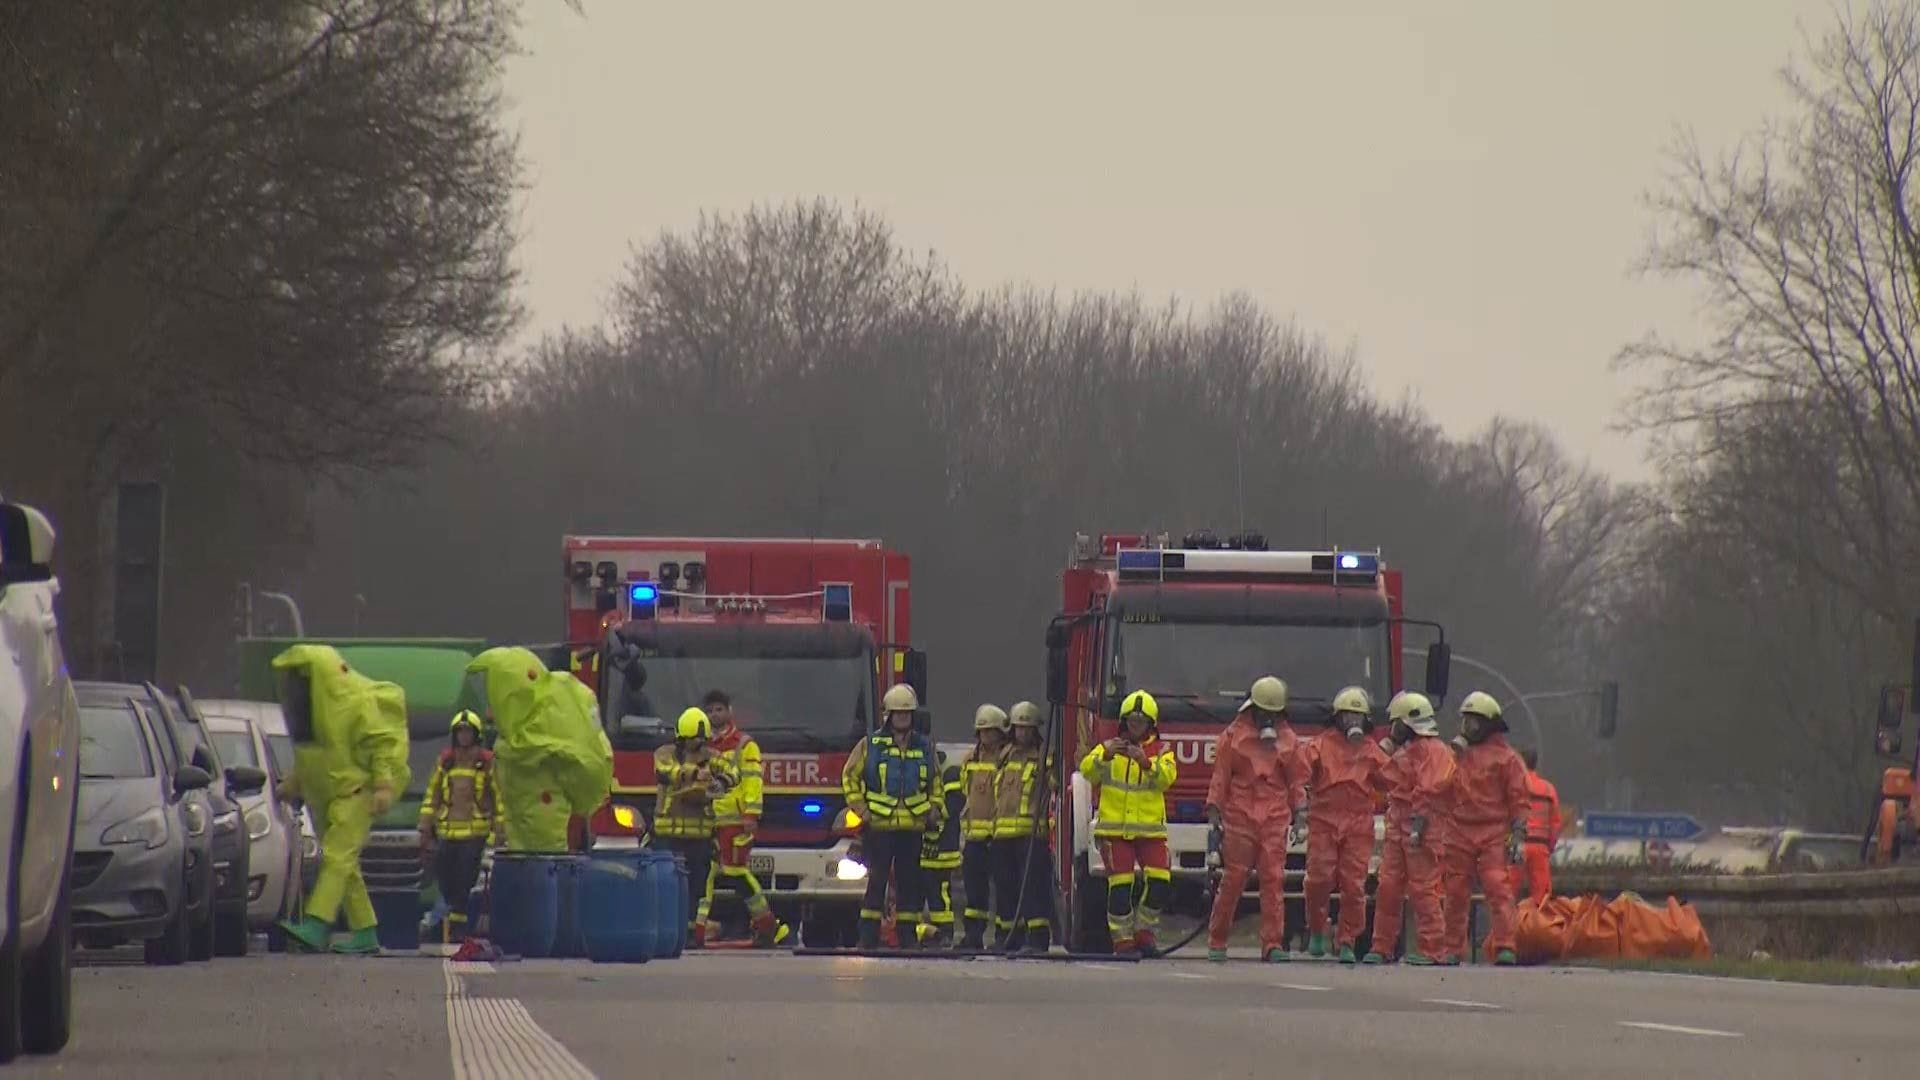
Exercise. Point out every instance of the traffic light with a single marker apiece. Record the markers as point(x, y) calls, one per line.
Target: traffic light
point(1609, 709)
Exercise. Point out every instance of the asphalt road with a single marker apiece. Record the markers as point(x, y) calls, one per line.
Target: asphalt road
point(786, 1017)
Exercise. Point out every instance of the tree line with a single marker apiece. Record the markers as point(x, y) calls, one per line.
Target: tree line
point(262, 252)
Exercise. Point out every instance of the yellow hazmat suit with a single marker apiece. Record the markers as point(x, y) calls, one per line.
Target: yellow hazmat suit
point(552, 759)
point(350, 760)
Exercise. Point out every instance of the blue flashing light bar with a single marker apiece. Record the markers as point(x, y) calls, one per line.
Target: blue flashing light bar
point(644, 597)
point(811, 808)
point(1356, 562)
point(1139, 559)
point(836, 602)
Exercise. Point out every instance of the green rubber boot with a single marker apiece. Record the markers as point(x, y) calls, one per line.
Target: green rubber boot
point(1218, 956)
point(1373, 959)
point(1346, 954)
point(1448, 961)
point(359, 943)
point(1414, 959)
point(1506, 958)
point(1278, 955)
point(309, 934)
point(1317, 946)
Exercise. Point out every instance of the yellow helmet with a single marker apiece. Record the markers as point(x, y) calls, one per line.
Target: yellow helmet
point(990, 718)
point(1026, 714)
point(694, 724)
point(1352, 699)
point(900, 698)
point(467, 717)
point(1142, 703)
point(1268, 694)
point(1482, 704)
point(1415, 711)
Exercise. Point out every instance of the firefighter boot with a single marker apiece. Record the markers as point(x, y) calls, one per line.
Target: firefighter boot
point(869, 934)
point(1001, 934)
point(974, 937)
point(697, 935)
point(1039, 941)
point(455, 928)
point(941, 938)
point(363, 942)
point(1317, 946)
point(1148, 945)
point(1016, 941)
point(768, 931)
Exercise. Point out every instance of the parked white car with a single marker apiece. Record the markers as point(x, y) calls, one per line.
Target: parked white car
point(273, 893)
point(39, 793)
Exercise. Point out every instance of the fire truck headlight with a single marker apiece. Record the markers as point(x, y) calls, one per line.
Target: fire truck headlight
point(849, 870)
point(623, 816)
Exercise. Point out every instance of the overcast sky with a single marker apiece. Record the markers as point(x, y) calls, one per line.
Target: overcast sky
point(1457, 194)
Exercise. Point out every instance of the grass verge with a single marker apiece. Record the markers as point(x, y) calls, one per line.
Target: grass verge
point(1826, 972)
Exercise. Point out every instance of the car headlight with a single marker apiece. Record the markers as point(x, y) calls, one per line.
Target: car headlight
point(196, 818)
point(148, 828)
point(259, 823)
point(227, 822)
point(849, 870)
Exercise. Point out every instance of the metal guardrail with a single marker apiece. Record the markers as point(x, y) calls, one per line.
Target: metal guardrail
point(1837, 894)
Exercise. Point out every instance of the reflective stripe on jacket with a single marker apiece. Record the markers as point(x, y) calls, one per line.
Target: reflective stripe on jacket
point(681, 808)
point(893, 787)
point(977, 782)
point(745, 799)
point(940, 848)
point(1133, 798)
point(460, 798)
point(1013, 788)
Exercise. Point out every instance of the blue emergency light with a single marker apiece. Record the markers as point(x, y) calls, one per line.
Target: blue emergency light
point(836, 602)
point(1139, 559)
point(1356, 562)
point(812, 808)
point(643, 596)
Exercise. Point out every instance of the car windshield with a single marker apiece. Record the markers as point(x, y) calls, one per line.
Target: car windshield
point(281, 747)
point(235, 748)
point(786, 703)
point(112, 746)
point(1202, 670)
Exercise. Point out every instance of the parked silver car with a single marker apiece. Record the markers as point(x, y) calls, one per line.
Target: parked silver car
point(39, 793)
point(273, 893)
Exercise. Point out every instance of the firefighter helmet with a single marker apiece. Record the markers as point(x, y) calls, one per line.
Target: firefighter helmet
point(1415, 711)
point(1269, 694)
point(1141, 703)
point(694, 724)
point(990, 718)
point(1482, 704)
point(1026, 714)
point(1352, 699)
point(467, 717)
point(900, 698)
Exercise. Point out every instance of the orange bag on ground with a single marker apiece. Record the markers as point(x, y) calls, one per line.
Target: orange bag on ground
point(1651, 933)
point(1589, 928)
point(1542, 934)
point(1593, 933)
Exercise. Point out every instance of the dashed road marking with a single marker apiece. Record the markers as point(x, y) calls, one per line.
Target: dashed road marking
point(1307, 987)
point(472, 967)
point(1191, 975)
point(496, 1039)
point(1459, 1004)
point(1680, 1030)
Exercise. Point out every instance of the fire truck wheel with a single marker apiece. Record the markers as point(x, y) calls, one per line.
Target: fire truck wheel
point(830, 930)
point(1090, 911)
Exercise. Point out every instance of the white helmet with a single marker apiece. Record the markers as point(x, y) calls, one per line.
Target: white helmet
point(900, 698)
point(1352, 699)
point(990, 718)
point(1026, 714)
point(1414, 710)
point(1268, 693)
point(1482, 704)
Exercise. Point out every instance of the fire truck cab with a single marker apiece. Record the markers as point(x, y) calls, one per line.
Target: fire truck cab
point(803, 635)
point(1195, 625)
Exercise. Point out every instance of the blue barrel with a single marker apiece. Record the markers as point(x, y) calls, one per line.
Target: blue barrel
point(671, 888)
point(399, 917)
point(617, 907)
point(525, 914)
point(568, 941)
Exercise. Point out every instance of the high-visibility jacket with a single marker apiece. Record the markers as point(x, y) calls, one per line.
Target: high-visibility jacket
point(681, 808)
point(977, 775)
point(744, 800)
point(1543, 811)
point(893, 786)
point(1014, 788)
point(1133, 798)
point(940, 848)
point(461, 802)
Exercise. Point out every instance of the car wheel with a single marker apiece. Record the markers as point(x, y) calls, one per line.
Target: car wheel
point(200, 945)
point(47, 1022)
point(230, 933)
point(12, 988)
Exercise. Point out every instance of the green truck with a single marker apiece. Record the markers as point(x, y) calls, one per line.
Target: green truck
point(433, 672)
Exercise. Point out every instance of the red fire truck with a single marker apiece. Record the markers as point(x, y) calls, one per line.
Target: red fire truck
point(804, 635)
point(1195, 625)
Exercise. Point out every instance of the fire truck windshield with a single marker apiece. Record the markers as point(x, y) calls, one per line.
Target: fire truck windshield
point(1200, 671)
point(788, 704)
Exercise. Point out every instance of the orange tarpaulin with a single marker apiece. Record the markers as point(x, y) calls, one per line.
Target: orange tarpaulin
point(1626, 927)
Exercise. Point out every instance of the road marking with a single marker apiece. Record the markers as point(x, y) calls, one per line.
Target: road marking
point(1191, 975)
point(1308, 987)
point(496, 1039)
point(1679, 1030)
point(472, 967)
point(1459, 1004)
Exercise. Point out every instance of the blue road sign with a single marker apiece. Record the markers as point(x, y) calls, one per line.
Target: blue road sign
point(1643, 826)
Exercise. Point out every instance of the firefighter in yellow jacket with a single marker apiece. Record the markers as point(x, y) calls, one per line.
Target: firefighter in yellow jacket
point(687, 777)
point(1133, 771)
point(1022, 873)
point(736, 817)
point(459, 817)
point(893, 786)
point(977, 774)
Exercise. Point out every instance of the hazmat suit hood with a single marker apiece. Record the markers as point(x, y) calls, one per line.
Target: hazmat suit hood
point(355, 727)
point(552, 756)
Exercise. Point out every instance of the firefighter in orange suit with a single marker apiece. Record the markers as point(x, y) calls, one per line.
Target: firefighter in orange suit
point(1258, 791)
point(1133, 771)
point(1543, 827)
point(736, 814)
point(1488, 829)
point(1345, 770)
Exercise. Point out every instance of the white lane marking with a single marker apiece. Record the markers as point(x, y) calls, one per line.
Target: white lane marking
point(496, 1039)
point(472, 967)
point(1459, 1004)
point(1679, 1030)
point(1191, 975)
point(1308, 987)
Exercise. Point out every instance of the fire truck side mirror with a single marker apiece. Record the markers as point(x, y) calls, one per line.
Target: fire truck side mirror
point(1609, 709)
point(913, 672)
point(1439, 671)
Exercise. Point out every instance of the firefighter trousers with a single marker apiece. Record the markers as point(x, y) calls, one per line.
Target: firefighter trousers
point(976, 880)
point(1479, 851)
point(1022, 886)
point(696, 854)
point(456, 866)
point(1408, 874)
point(1337, 852)
point(1132, 860)
point(893, 855)
point(733, 847)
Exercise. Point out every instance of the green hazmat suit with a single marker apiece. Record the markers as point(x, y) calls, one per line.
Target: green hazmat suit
point(348, 771)
point(551, 758)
